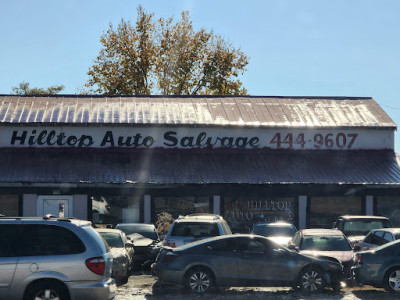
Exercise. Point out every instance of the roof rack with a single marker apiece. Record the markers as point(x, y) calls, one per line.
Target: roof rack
point(47, 217)
point(200, 215)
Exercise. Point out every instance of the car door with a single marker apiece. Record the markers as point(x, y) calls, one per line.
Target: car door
point(222, 257)
point(8, 257)
point(263, 262)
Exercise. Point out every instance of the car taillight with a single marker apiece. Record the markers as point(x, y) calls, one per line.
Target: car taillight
point(108, 207)
point(170, 243)
point(96, 265)
point(359, 259)
point(169, 257)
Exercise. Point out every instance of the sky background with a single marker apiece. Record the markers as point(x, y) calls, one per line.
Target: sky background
point(296, 47)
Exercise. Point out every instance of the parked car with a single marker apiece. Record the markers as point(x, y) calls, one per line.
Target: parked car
point(325, 242)
point(378, 237)
point(145, 240)
point(190, 228)
point(122, 253)
point(243, 260)
point(49, 258)
point(379, 267)
point(357, 227)
point(279, 232)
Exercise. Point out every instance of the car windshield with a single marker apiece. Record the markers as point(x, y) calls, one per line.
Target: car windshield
point(325, 243)
point(195, 229)
point(274, 231)
point(362, 227)
point(146, 232)
point(113, 239)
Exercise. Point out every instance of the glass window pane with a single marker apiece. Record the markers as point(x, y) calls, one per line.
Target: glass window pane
point(9, 205)
point(244, 213)
point(325, 210)
point(389, 206)
point(112, 210)
point(181, 206)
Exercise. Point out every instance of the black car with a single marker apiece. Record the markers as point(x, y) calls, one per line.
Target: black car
point(145, 240)
point(379, 267)
point(244, 260)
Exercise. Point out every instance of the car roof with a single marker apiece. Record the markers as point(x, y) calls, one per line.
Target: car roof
point(45, 219)
point(199, 217)
point(321, 231)
point(109, 230)
point(134, 225)
point(277, 224)
point(347, 217)
point(392, 230)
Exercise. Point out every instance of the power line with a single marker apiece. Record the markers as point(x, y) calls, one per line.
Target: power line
point(390, 106)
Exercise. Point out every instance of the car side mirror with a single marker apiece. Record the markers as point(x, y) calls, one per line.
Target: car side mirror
point(356, 248)
point(292, 247)
point(128, 244)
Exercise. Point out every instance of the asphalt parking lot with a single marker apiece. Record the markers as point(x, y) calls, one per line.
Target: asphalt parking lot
point(142, 285)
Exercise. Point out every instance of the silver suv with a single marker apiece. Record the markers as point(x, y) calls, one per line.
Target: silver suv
point(48, 258)
point(190, 228)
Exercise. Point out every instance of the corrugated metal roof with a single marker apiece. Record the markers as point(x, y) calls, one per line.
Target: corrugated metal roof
point(205, 111)
point(117, 166)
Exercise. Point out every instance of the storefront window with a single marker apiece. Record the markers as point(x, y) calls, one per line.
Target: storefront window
point(325, 210)
point(177, 206)
point(111, 210)
point(388, 206)
point(242, 214)
point(9, 205)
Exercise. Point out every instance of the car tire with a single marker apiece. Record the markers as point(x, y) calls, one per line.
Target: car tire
point(47, 290)
point(199, 280)
point(392, 280)
point(311, 280)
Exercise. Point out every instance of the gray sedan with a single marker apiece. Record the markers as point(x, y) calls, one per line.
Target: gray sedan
point(244, 260)
point(379, 267)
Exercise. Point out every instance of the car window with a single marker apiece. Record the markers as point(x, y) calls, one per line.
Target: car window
point(325, 243)
point(369, 237)
point(113, 239)
point(8, 234)
point(226, 228)
point(376, 238)
point(363, 226)
point(37, 240)
point(195, 229)
point(222, 245)
point(296, 240)
point(274, 230)
point(387, 238)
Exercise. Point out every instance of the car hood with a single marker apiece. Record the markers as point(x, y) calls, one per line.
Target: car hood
point(339, 255)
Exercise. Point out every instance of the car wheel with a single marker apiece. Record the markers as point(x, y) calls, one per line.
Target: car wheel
point(392, 280)
point(48, 290)
point(311, 279)
point(199, 280)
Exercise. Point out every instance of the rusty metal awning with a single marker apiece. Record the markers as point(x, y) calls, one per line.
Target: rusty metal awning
point(160, 166)
point(239, 111)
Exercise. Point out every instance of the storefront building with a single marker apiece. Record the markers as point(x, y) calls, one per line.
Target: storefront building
point(304, 160)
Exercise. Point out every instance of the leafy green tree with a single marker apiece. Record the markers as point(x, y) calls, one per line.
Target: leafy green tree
point(24, 89)
point(163, 57)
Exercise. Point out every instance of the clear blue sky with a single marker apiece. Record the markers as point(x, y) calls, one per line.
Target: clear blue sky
point(296, 48)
